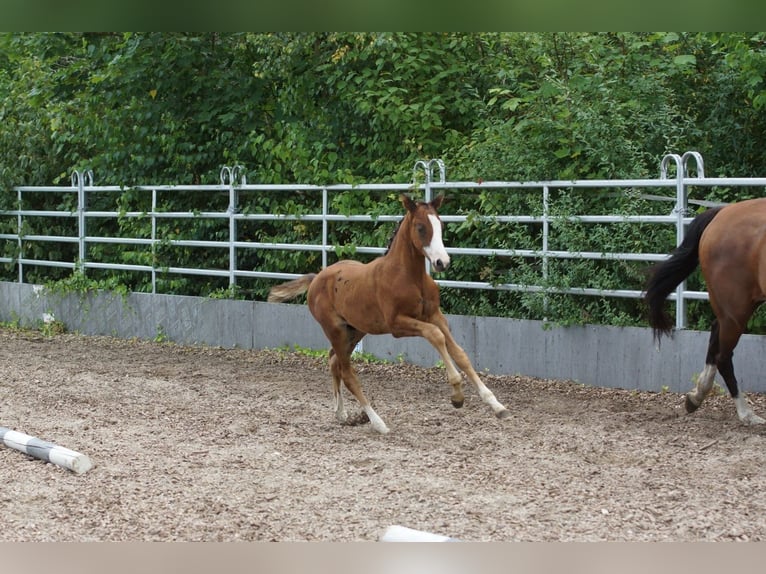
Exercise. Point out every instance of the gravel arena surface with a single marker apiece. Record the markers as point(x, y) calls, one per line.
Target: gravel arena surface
point(210, 444)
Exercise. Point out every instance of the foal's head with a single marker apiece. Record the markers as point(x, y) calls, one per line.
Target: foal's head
point(425, 230)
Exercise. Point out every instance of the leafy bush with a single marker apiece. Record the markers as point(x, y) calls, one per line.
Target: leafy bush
point(170, 108)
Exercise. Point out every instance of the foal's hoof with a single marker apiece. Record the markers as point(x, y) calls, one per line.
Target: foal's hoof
point(457, 404)
point(689, 404)
point(504, 414)
point(356, 420)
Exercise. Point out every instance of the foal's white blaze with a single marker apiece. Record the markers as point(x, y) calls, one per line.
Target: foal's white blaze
point(435, 250)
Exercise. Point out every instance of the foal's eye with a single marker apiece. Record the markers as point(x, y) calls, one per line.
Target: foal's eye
point(421, 229)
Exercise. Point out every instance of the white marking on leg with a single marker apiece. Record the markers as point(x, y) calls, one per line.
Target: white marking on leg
point(376, 422)
point(489, 397)
point(435, 251)
point(745, 413)
point(703, 386)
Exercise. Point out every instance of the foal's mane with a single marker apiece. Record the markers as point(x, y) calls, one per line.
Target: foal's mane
point(396, 230)
point(393, 235)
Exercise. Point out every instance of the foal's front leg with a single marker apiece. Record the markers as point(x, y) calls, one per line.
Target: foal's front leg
point(461, 358)
point(454, 377)
point(405, 326)
point(438, 334)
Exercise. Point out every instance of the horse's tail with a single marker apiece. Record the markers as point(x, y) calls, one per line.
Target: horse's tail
point(291, 289)
point(666, 276)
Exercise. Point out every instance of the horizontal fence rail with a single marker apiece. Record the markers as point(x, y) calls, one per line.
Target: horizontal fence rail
point(234, 184)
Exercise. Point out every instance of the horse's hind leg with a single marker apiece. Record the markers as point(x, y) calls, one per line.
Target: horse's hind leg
point(730, 333)
point(706, 378)
point(724, 336)
point(744, 412)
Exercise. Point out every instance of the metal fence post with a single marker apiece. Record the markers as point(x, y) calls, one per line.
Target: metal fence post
point(154, 240)
point(325, 230)
point(229, 176)
point(546, 233)
point(79, 180)
point(428, 171)
point(20, 242)
point(680, 211)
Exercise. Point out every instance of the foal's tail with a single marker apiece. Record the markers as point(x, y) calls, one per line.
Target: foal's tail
point(291, 289)
point(666, 276)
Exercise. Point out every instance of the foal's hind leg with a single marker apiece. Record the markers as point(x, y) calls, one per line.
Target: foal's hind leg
point(353, 337)
point(343, 340)
point(352, 384)
point(340, 409)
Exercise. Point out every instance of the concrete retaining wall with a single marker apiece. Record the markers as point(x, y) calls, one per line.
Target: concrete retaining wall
point(619, 357)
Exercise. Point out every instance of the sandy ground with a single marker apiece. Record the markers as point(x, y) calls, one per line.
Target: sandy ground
point(208, 444)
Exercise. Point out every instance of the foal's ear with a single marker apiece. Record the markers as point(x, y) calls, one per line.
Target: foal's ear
point(436, 203)
point(408, 202)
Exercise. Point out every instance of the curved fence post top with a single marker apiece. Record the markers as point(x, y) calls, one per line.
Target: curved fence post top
point(674, 157)
point(700, 164)
point(428, 167)
point(682, 164)
point(230, 175)
point(82, 178)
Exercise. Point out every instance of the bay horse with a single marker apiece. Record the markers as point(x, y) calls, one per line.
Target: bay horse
point(391, 294)
point(729, 245)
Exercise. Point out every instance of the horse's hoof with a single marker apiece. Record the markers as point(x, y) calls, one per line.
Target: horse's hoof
point(753, 419)
point(457, 404)
point(689, 404)
point(504, 414)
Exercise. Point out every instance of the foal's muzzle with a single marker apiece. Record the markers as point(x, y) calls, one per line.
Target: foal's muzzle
point(440, 264)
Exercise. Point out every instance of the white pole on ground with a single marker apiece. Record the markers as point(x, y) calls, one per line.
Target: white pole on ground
point(397, 533)
point(47, 451)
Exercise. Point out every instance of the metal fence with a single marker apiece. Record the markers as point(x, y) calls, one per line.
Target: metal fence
point(433, 180)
